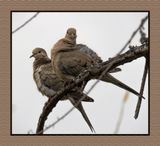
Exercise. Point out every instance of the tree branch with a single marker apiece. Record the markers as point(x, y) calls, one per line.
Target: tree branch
point(141, 90)
point(25, 23)
point(134, 33)
point(132, 54)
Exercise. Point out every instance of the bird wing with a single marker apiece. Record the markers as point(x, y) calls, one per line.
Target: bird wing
point(85, 49)
point(91, 53)
point(73, 62)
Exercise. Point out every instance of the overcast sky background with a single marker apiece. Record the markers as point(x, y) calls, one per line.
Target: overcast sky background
point(104, 32)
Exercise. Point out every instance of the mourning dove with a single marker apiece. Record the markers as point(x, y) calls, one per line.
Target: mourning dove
point(48, 83)
point(70, 62)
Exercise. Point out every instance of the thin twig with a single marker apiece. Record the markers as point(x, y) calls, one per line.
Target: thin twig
point(141, 90)
point(133, 34)
point(26, 22)
point(120, 119)
point(121, 113)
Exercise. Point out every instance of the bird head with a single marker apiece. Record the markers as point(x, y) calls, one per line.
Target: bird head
point(38, 53)
point(71, 33)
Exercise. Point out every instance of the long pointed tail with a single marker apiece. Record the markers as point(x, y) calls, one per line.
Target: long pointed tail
point(109, 78)
point(82, 111)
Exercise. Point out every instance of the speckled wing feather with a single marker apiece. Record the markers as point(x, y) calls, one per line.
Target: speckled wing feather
point(91, 53)
point(85, 49)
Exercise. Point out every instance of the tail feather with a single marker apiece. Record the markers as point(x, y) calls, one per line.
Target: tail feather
point(82, 111)
point(109, 78)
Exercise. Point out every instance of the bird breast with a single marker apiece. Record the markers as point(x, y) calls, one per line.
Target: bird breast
point(41, 87)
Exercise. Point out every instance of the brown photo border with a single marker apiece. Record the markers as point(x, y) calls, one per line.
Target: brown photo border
point(6, 139)
point(84, 11)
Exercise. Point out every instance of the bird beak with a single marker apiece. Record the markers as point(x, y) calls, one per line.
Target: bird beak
point(31, 56)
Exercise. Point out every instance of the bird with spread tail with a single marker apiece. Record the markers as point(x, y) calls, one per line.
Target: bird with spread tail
point(69, 62)
point(48, 83)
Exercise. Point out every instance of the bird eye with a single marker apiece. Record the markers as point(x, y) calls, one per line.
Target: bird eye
point(39, 52)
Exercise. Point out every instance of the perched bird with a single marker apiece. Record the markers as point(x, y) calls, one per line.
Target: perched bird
point(48, 83)
point(68, 63)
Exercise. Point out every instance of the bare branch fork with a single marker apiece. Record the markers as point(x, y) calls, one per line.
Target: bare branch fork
point(133, 54)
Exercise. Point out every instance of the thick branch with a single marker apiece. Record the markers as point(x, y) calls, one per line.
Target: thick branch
point(132, 54)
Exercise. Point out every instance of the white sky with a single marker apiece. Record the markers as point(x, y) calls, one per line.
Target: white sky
point(104, 32)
